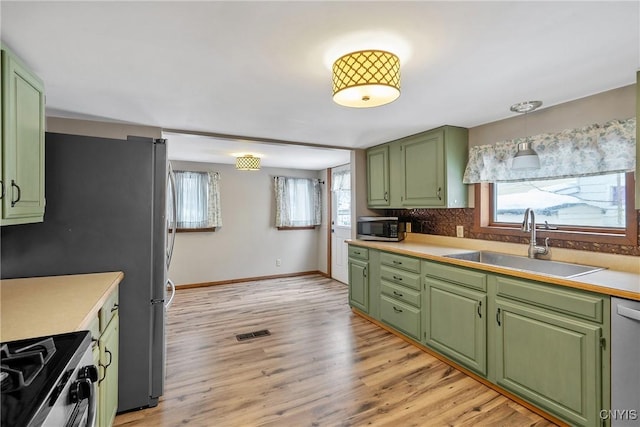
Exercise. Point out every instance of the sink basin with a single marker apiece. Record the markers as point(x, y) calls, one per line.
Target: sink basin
point(553, 268)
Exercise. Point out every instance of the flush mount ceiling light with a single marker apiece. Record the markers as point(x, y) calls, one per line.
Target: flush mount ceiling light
point(526, 157)
point(366, 78)
point(248, 162)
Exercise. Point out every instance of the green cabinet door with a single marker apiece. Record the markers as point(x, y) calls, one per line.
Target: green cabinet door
point(456, 323)
point(359, 284)
point(378, 176)
point(550, 360)
point(422, 167)
point(22, 143)
point(108, 384)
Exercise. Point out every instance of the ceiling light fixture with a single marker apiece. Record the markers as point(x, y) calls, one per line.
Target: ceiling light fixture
point(526, 157)
point(366, 78)
point(248, 162)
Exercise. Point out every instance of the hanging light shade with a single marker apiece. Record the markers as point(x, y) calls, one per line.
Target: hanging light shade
point(526, 157)
point(367, 78)
point(248, 163)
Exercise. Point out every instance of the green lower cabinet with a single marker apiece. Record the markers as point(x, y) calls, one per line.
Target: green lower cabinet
point(401, 316)
point(553, 361)
point(544, 343)
point(359, 284)
point(108, 383)
point(456, 323)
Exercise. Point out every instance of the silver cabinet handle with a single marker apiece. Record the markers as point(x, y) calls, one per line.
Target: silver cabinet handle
point(397, 310)
point(627, 312)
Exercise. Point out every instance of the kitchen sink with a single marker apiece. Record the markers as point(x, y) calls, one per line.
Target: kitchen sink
point(553, 268)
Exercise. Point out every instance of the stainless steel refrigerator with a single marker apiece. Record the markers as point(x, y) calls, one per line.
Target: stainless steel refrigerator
point(106, 210)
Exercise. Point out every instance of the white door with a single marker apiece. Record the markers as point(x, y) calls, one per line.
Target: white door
point(340, 222)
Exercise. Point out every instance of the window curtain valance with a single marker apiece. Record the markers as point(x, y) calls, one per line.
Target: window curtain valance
point(298, 202)
point(591, 150)
point(341, 180)
point(198, 199)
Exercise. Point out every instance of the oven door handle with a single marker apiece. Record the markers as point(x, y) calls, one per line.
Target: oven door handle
point(93, 396)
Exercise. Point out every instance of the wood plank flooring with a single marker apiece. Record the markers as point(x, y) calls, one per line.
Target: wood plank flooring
point(321, 366)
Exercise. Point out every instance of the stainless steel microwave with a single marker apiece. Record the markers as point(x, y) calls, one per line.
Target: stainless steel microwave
point(384, 228)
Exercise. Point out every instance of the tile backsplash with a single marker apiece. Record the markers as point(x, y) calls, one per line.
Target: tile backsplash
point(443, 222)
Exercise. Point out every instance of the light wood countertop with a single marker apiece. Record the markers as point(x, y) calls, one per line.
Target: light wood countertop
point(40, 306)
point(612, 281)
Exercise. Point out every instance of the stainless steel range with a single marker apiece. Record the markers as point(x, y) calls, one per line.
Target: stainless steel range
point(48, 381)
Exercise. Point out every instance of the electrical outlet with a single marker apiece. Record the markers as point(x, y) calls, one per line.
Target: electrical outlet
point(459, 231)
point(278, 262)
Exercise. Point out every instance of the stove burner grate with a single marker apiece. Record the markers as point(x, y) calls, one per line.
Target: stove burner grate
point(19, 366)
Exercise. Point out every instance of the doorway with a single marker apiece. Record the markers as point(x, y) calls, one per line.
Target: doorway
point(340, 222)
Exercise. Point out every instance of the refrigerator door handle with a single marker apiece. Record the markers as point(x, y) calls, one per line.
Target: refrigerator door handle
point(174, 207)
point(173, 293)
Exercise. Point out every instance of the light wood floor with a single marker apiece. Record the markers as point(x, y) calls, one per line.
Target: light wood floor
point(321, 366)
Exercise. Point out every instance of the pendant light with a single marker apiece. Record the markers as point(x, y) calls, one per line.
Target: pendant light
point(367, 78)
point(526, 157)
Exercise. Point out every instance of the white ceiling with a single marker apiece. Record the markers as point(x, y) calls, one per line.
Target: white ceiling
point(262, 69)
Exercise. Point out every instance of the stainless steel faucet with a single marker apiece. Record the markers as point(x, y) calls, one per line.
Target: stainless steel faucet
point(527, 227)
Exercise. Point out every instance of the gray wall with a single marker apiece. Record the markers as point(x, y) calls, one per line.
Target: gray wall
point(614, 104)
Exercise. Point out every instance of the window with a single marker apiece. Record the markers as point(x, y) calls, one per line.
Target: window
point(298, 202)
point(341, 187)
point(197, 201)
point(583, 190)
point(490, 222)
point(589, 201)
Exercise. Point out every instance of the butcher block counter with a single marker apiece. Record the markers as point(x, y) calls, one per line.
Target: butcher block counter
point(620, 278)
point(40, 306)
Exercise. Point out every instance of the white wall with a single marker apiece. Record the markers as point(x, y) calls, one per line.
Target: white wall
point(247, 245)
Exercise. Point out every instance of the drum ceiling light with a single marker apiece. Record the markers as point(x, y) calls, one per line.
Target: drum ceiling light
point(248, 162)
point(366, 78)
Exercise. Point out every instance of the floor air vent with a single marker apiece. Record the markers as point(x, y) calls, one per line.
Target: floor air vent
point(251, 335)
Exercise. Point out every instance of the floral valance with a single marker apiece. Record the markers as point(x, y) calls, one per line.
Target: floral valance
point(591, 150)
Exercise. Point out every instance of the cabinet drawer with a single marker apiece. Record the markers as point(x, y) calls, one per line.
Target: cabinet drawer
point(401, 293)
point(108, 310)
point(400, 261)
point(358, 252)
point(574, 303)
point(471, 279)
point(401, 316)
point(400, 277)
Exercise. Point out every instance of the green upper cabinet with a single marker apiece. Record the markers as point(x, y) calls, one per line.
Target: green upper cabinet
point(423, 170)
point(23, 126)
point(378, 176)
